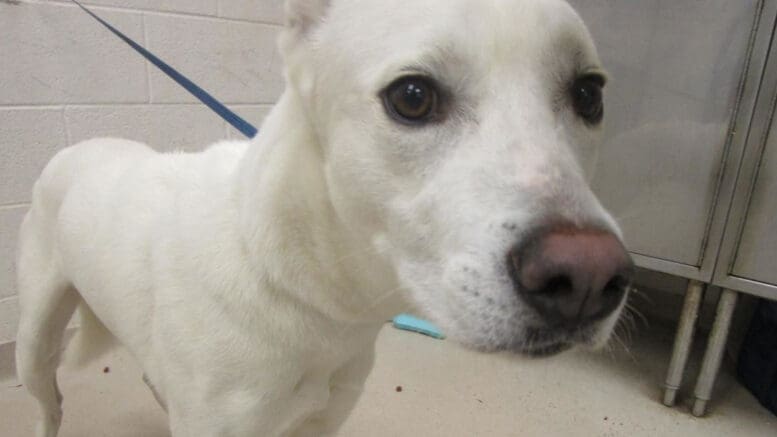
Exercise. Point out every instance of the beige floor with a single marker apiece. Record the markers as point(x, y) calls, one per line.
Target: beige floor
point(446, 391)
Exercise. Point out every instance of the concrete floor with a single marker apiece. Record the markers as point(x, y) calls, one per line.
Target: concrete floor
point(446, 391)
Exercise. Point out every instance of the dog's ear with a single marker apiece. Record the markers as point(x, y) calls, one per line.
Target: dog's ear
point(304, 15)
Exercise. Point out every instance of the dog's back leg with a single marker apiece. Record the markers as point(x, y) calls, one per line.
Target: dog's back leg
point(47, 301)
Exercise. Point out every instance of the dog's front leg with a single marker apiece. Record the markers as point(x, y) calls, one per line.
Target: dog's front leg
point(346, 385)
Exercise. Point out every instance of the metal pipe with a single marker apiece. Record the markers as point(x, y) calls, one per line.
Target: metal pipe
point(683, 340)
point(713, 356)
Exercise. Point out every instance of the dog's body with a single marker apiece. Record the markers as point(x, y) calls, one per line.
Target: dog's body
point(256, 346)
point(250, 280)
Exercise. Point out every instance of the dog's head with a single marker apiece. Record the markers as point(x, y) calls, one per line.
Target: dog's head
point(456, 136)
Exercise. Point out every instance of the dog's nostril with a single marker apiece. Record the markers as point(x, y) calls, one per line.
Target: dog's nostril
point(557, 285)
point(615, 286)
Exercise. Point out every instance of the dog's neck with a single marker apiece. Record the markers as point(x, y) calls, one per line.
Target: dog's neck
point(292, 232)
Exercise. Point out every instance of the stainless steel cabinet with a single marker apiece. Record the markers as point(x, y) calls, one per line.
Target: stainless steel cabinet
point(748, 256)
point(689, 165)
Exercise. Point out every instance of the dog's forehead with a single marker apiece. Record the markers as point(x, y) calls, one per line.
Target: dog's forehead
point(380, 33)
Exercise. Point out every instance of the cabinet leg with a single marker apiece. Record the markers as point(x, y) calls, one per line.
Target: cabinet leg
point(683, 340)
point(713, 356)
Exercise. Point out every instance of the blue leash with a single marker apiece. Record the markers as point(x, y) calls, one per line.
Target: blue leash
point(235, 120)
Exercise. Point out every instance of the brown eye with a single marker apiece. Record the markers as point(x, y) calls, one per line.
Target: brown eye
point(587, 98)
point(411, 99)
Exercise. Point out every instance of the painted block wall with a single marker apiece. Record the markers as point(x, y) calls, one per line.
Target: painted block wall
point(64, 78)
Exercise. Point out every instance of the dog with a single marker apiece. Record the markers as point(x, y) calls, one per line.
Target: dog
point(425, 154)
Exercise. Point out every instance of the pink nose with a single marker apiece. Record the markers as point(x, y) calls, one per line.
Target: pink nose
point(571, 275)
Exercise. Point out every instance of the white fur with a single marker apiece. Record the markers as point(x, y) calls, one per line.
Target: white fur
point(250, 280)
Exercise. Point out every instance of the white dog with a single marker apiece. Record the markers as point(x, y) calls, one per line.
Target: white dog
point(425, 152)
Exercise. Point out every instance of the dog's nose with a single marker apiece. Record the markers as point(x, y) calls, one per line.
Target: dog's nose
point(571, 275)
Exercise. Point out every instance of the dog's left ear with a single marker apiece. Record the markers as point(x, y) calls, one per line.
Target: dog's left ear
point(302, 18)
point(303, 15)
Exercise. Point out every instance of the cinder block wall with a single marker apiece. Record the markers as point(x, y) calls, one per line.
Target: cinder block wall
point(64, 78)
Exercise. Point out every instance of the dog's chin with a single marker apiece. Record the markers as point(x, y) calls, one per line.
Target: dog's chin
point(526, 348)
point(544, 351)
point(541, 343)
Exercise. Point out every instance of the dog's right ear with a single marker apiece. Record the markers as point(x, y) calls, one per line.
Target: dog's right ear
point(303, 15)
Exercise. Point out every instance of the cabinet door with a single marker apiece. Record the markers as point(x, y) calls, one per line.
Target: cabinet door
point(756, 255)
point(748, 257)
point(677, 69)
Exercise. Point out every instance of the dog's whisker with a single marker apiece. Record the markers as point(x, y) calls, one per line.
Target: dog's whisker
point(627, 319)
point(624, 346)
point(635, 312)
point(637, 293)
point(610, 351)
point(627, 329)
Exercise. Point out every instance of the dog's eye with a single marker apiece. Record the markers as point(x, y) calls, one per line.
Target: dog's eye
point(587, 97)
point(411, 99)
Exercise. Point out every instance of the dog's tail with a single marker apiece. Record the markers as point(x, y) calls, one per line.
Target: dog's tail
point(91, 340)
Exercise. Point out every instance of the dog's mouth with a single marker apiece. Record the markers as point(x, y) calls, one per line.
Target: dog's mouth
point(546, 342)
